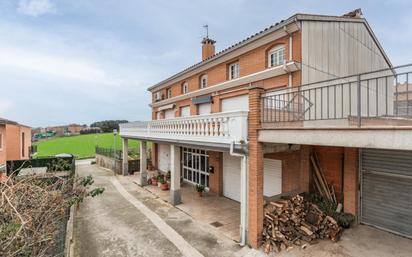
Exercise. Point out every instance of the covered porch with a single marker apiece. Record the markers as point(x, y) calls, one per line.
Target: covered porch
point(221, 213)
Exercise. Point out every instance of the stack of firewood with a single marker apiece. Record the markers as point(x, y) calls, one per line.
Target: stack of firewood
point(296, 222)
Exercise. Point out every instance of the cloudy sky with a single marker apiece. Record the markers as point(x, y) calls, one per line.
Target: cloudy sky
point(64, 61)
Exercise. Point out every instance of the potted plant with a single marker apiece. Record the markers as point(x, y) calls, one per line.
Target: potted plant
point(154, 181)
point(168, 175)
point(200, 189)
point(159, 179)
point(164, 185)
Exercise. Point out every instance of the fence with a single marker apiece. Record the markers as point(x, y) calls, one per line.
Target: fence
point(51, 163)
point(381, 93)
point(115, 153)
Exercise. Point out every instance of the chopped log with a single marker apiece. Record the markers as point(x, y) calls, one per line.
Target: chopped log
point(296, 222)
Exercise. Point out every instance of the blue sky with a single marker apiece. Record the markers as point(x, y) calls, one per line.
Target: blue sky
point(64, 61)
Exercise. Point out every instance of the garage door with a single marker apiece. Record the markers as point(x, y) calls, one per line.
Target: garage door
point(164, 157)
point(272, 175)
point(386, 197)
point(236, 103)
point(185, 111)
point(231, 177)
point(204, 109)
point(169, 114)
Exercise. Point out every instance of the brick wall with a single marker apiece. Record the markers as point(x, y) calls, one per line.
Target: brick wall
point(216, 178)
point(295, 168)
point(331, 162)
point(351, 173)
point(250, 62)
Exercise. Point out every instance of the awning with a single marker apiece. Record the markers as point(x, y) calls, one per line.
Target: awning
point(166, 107)
point(202, 100)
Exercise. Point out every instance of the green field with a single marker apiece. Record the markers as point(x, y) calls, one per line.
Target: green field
point(81, 146)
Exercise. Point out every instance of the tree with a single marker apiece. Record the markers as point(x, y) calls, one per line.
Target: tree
point(108, 125)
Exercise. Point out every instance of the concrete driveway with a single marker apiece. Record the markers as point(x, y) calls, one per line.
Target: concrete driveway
point(127, 220)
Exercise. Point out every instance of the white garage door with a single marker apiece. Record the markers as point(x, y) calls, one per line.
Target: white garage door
point(164, 157)
point(238, 103)
point(204, 109)
point(185, 111)
point(231, 177)
point(169, 113)
point(272, 175)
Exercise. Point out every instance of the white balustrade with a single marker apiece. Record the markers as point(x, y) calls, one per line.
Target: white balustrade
point(223, 127)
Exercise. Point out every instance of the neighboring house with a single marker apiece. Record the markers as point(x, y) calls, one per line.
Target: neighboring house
point(15, 141)
point(244, 122)
point(71, 129)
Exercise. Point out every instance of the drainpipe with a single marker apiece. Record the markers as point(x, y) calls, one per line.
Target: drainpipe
point(243, 194)
point(290, 53)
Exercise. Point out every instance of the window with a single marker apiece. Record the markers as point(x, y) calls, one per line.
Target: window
point(185, 88)
point(195, 166)
point(157, 96)
point(276, 56)
point(203, 81)
point(169, 93)
point(22, 144)
point(234, 70)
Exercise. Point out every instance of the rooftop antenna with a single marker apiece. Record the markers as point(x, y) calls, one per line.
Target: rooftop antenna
point(207, 30)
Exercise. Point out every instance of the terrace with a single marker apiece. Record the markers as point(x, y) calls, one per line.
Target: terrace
point(350, 111)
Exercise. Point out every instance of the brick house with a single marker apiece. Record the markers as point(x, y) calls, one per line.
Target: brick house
point(15, 141)
point(244, 122)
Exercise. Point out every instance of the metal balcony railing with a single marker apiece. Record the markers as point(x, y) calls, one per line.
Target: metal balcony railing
point(385, 93)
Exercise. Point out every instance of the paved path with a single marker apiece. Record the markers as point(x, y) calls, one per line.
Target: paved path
point(129, 221)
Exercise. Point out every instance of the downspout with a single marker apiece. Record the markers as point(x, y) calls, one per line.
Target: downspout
point(290, 53)
point(243, 194)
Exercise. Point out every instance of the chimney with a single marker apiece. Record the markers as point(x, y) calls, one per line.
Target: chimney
point(357, 13)
point(208, 48)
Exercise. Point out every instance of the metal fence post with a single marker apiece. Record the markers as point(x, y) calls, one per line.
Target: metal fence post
point(359, 104)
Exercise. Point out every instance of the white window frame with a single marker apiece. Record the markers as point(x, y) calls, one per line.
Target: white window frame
point(185, 88)
point(169, 92)
point(276, 56)
point(157, 96)
point(234, 69)
point(192, 165)
point(203, 81)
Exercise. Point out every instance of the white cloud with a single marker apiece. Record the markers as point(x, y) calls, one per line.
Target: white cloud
point(53, 65)
point(35, 8)
point(5, 106)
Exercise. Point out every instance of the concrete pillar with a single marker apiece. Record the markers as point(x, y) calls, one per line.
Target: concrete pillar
point(125, 157)
point(255, 180)
point(143, 163)
point(175, 194)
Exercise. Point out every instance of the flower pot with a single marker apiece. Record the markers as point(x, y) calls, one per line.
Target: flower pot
point(200, 194)
point(164, 186)
point(154, 182)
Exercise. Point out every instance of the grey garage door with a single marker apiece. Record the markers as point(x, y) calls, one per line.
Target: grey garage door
point(386, 197)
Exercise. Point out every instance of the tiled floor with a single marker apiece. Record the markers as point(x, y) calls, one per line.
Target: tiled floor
point(210, 209)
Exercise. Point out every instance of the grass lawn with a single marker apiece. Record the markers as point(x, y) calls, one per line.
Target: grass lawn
point(81, 146)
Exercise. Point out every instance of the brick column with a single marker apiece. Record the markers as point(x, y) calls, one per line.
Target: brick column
point(255, 179)
point(125, 157)
point(305, 151)
point(350, 180)
point(143, 163)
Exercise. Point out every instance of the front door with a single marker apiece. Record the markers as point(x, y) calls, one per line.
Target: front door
point(195, 166)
